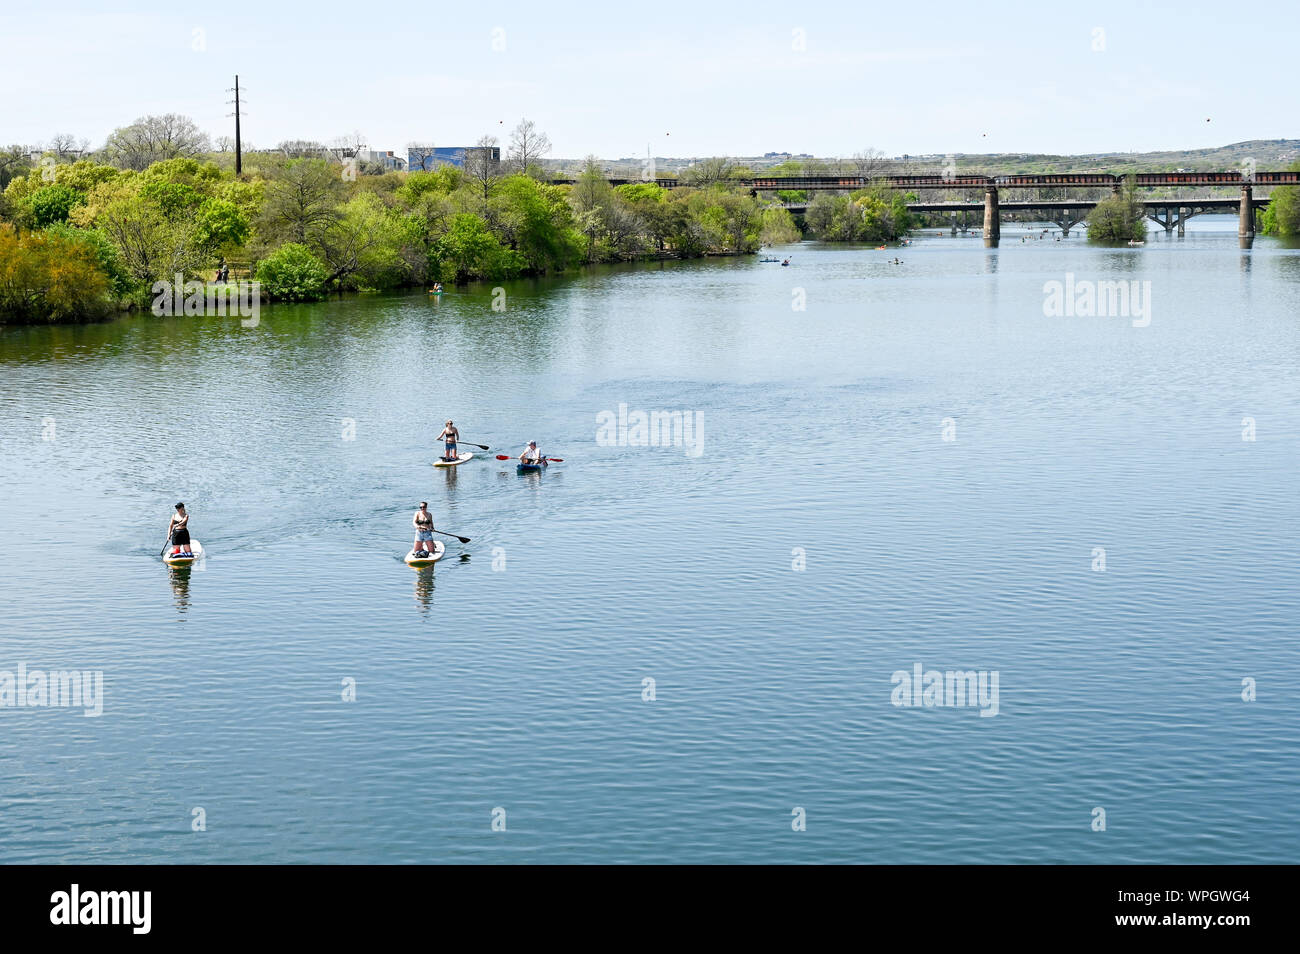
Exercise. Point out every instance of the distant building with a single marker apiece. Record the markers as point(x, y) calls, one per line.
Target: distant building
point(389, 162)
point(429, 158)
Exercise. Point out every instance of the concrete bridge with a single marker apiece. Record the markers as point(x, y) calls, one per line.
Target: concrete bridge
point(1067, 213)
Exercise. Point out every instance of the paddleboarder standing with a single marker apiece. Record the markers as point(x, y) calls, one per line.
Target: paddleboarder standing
point(423, 521)
point(450, 435)
point(178, 531)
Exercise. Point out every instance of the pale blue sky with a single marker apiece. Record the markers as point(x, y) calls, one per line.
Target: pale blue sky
point(684, 79)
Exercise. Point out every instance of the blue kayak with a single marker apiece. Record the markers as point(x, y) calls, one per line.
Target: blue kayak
point(529, 468)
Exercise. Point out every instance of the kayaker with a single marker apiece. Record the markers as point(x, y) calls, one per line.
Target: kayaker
point(423, 521)
point(450, 435)
point(531, 454)
point(178, 532)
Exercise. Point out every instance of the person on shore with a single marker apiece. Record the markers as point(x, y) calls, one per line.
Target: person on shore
point(532, 455)
point(423, 521)
point(178, 532)
point(450, 435)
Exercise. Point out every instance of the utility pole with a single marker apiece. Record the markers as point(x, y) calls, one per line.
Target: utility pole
point(239, 152)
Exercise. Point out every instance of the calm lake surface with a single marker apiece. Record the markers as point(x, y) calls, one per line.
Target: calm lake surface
point(510, 676)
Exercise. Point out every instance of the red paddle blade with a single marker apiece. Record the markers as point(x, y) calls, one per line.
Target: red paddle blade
point(504, 457)
point(556, 460)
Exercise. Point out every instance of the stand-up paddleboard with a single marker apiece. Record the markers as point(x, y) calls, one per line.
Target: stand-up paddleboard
point(175, 559)
point(435, 554)
point(529, 468)
point(461, 457)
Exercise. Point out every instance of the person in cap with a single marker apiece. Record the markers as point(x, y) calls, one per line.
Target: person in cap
point(532, 455)
point(423, 521)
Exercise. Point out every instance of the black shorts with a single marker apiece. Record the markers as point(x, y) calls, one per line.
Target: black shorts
point(180, 537)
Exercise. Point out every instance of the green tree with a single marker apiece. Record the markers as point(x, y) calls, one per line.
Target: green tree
point(302, 200)
point(537, 222)
point(469, 251)
point(220, 226)
point(777, 227)
point(292, 273)
point(1118, 218)
point(46, 276)
point(51, 204)
point(105, 254)
point(362, 246)
point(1282, 217)
point(152, 246)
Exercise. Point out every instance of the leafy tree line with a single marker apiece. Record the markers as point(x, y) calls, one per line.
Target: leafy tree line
point(1282, 217)
point(307, 227)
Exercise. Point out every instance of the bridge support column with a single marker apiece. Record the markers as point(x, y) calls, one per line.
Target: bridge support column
point(1182, 222)
point(992, 225)
point(1246, 217)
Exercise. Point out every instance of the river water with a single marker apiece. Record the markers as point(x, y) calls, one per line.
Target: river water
point(917, 467)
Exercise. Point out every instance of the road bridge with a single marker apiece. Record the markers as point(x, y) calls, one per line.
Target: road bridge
point(1067, 213)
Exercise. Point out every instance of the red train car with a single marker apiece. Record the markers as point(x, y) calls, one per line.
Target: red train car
point(938, 182)
point(1049, 180)
point(1187, 178)
point(1276, 178)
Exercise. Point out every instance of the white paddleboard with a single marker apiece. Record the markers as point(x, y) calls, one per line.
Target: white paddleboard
point(438, 550)
point(173, 560)
point(461, 457)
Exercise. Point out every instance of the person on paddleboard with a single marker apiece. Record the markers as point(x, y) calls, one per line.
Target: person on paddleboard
point(532, 455)
point(450, 435)
point(178, 532)
point(423, 521)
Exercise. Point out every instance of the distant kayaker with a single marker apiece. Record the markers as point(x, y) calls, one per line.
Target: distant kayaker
point(450, 435)
point(178, 532)
point(423, 521)
point(531, 454)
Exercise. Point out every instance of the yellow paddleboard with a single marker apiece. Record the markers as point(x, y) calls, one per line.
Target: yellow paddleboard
point(172, 560)
point(460, 459)
point(436, 554)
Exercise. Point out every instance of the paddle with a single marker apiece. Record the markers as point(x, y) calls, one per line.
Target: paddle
point(479, 446)
point(461, 539)
point(553, 460)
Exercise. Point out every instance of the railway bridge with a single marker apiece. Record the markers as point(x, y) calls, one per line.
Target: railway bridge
point(1169, 213)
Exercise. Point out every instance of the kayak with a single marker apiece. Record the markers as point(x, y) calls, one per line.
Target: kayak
point(175, 560)
point(529, 468)
point(461, 457)
point(438, 550)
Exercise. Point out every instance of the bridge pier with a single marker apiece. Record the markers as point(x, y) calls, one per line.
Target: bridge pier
point(1246, 216)
point(992, 225)
point(1182, 222)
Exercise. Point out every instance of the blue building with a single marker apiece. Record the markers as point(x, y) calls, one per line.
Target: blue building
point(429, 158)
